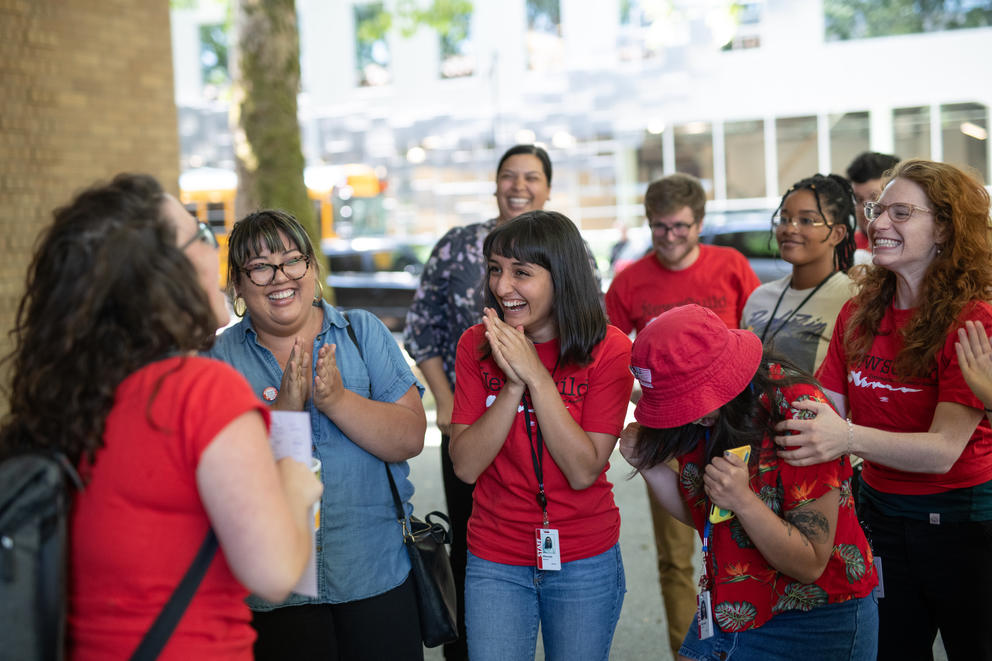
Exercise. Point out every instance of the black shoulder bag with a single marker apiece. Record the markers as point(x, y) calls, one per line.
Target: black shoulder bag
point(429, 563)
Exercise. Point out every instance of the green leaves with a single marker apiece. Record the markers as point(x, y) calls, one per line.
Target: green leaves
point(735, 615)
point(854, 563)
point(801, 596)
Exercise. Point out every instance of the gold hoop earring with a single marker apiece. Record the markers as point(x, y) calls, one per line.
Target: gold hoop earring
point(318, 295)
point(240, 307)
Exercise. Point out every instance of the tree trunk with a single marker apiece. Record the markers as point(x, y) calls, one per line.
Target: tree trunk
point(266, 80)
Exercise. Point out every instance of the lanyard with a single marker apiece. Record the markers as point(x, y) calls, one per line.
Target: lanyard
point(793, 313)
point(537, 452)
point(537, 459)
point(705, 582)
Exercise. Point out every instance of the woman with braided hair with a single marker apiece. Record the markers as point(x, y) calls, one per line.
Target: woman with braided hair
point(814, 227)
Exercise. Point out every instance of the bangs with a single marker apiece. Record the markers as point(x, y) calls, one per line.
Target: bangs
point(259, 232)
point(518, 241)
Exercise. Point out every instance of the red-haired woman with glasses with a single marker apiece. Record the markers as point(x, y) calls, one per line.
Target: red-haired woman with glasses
point(893, 368)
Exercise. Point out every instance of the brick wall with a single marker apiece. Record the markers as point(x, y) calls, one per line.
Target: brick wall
point(86, 91)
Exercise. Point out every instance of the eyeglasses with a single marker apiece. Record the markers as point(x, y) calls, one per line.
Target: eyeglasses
point(899, 212)
point(800, 223)
point(678, 229)
point(203, 233)
point(264, 274)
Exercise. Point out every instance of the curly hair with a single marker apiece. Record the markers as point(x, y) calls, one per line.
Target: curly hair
point(960, 273)
point(833, 193)
point(107, 292)
point(550, 240)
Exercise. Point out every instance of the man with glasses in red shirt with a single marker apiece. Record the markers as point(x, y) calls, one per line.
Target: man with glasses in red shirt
point(678, 271)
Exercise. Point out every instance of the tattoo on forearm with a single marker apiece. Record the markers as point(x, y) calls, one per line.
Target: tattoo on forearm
point(788, 531)
point(810, 523)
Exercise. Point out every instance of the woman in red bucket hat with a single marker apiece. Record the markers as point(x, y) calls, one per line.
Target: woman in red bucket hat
point(787, 569)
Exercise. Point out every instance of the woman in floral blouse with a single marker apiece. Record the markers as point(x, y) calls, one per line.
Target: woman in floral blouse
point(790, 572)
point(447, 303)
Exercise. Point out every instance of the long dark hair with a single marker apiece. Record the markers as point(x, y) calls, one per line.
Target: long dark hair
point(552, 241)
point(107, 292)
point(744, 420)
point(833, 193)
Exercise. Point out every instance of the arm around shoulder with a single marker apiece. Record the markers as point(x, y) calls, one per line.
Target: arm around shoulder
point(259, 510)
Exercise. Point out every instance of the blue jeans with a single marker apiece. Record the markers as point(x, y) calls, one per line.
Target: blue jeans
point(835, 632)
point(576, 607)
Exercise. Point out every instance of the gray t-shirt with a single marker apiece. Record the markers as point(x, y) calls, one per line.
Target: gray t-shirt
point(800, 335)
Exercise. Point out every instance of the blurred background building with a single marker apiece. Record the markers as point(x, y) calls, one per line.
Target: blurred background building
point(749, 96)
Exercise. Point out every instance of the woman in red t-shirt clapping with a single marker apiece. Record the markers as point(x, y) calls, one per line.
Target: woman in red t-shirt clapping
point(541, 392)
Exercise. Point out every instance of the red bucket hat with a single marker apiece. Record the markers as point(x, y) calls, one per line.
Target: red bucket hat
point(689, 364)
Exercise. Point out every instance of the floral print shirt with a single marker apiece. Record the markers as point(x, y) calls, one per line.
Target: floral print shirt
point(450, 297)
point(747, 590)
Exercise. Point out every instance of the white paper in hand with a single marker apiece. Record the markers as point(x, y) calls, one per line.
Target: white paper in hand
point(290, 437)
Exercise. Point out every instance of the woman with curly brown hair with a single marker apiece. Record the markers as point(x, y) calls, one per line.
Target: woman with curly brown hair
point(121, 294)
point(892, 367)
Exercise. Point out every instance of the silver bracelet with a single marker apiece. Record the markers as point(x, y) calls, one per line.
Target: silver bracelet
point(850, 437)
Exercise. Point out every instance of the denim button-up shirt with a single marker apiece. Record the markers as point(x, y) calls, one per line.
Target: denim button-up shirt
point(360, 550)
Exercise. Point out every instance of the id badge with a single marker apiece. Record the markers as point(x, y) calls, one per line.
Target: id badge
point(548, 551)
point(879, 590)
point(704, 615)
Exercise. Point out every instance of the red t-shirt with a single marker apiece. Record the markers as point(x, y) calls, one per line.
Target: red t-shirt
point(139, 522)
point(505, 512)
point(747, 590)
point(861, 241)
point(879, 399)
point(720, 279)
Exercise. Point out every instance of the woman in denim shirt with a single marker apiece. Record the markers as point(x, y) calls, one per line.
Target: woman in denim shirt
point(365, 409)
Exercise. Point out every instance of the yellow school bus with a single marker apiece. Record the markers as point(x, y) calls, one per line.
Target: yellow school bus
point(348, 200)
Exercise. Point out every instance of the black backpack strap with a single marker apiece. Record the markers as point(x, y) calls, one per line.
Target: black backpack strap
point(158, 635)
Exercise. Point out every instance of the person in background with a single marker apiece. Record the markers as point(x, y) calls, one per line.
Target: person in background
point(790, 574)
point(865, 174)
point(540, 398)
point(365, 418)
point(678, 271)
point(814, 227)
point(121, 293)
point(893, 366)
point(448, 301)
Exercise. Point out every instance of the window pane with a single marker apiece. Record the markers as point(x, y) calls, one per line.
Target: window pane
point(796, 148)
point(745, 149)
point(457, 58)
point(650, 164)
point(849, 136)
point(844, 19)
point(213, 60)
point(964, 129)
point(371, 49)
point(694, 153)
point(911, 132)
point(545, 50)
